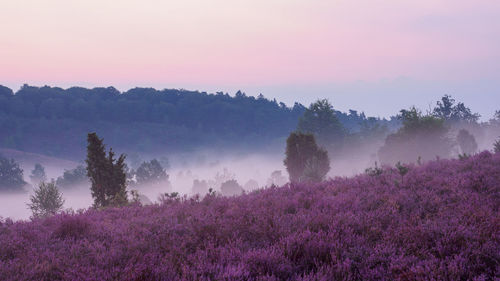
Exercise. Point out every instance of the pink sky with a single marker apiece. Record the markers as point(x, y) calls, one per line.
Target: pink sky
point(246, 44)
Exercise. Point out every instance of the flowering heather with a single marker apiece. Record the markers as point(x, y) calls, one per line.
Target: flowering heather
point(441, 223)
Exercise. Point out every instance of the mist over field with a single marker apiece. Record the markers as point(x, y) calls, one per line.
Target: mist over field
point(260, 140)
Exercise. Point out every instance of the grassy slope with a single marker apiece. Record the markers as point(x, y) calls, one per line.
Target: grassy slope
point(441, 223)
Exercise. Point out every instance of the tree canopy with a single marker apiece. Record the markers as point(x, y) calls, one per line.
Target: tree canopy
point(11, 175)
point(320, 119)
point(450, 111)
point(421, 137)
point(54, 121)
point(305, 161)
point(46, 200)
point(107, 174)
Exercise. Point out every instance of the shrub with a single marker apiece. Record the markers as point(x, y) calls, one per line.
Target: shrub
point(441, 226)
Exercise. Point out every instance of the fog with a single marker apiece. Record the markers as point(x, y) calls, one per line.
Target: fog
point(212, 167)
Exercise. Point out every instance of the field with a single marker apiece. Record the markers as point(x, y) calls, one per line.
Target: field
point(439, 222)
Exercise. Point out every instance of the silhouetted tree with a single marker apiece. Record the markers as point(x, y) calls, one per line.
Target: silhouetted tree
point(447, 109)
point(250, 185)
point(467, 142)
point(151, 172)
point(38, 174)
point(421, 136)
point(276, 179)
point(46, 200)
point(305, 161)
point(4, 91)
point(107, 174)
point(231, 188)
point(137, 119)
point(496, 118)
point(320, 119)
point(73, 177)
point(496, 146)
point(317, 167)
point(199, 187)
point(11, 175)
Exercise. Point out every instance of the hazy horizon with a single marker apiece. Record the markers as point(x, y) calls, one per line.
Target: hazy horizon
point(351, 52)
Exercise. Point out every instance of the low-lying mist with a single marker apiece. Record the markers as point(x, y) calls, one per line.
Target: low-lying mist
point(250, 170)
point(208, 169)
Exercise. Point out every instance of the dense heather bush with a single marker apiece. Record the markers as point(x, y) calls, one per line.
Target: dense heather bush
point(443, 223)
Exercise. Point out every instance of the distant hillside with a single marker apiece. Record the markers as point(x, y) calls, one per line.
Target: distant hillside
point(55, 121)
point(441, 221)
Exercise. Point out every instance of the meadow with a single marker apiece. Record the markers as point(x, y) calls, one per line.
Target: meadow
point(440, 221)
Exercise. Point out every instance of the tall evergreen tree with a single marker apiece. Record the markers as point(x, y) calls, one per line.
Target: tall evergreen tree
point(107, 175)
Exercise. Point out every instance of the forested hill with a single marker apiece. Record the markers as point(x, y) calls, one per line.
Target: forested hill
point(55, 121)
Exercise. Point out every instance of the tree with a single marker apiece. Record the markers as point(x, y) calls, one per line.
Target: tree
point(402, 170)
point(38, 174)
point(305, 161)
point(447, 109)
point(231, 188)
point(467, 142)
point(317, 167)
point(496, 146)
point(46, 201)
point(496, 118)
point(199, 187)
point(276, 179)
point(107, 174)
point(72, 178)
point(320, 119)
point(151, 172)
point(11, 175)
point(250, 185)
point(421, 136)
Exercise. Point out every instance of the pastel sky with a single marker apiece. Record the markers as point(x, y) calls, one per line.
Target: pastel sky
point(372, 55)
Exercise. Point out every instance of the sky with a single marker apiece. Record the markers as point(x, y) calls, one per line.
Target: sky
point(376, 56)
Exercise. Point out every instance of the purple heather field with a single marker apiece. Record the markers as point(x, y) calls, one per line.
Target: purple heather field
point(439, 222)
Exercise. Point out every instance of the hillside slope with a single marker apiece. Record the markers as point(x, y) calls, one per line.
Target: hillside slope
point(441, 223)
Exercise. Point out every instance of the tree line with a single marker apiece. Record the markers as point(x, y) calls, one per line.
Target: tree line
point(54, 121)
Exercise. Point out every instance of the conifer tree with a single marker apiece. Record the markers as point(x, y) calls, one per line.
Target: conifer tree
point(107, 175)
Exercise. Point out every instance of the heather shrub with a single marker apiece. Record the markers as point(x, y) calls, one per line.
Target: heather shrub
point(442, 225)
point(72, 227)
